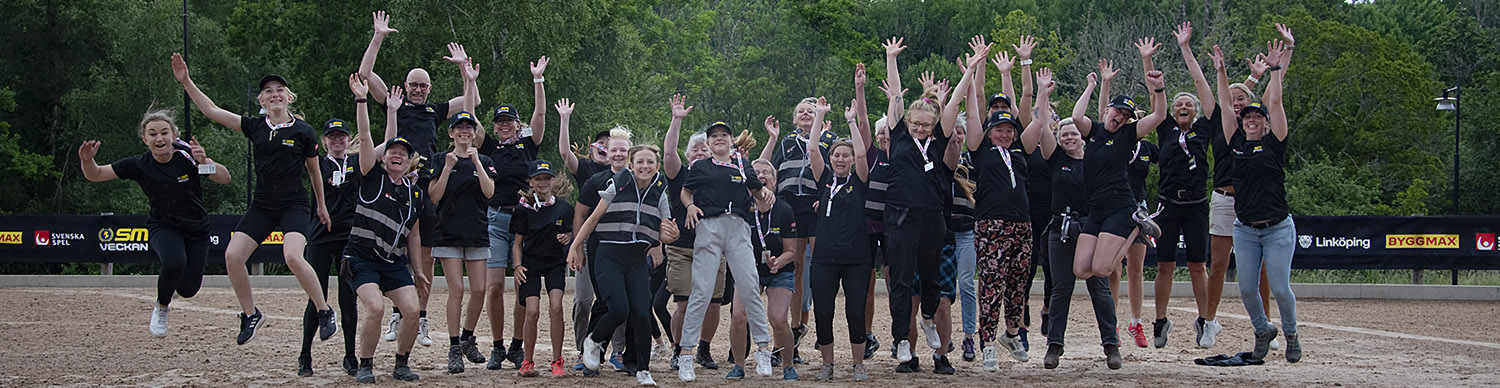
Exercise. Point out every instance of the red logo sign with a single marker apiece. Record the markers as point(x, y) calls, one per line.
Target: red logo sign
point(1484, 241)
point(43, 238)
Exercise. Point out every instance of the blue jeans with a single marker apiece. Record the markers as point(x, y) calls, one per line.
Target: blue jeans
point(500, 239)
point(964, 248)
point(1272, 247)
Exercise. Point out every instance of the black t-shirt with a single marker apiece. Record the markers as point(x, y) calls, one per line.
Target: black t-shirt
point(540, 226)
point(769, 227)
point(588, 195)
point(1038, 184)
point(390, 210)
point(281, 154)
point(1106, 156)
point(418, 124)
point(338, 198)
point(720, 188)
point(587, 168)
point(1000, 192)
point(173, 189)
point(1259, 178)
point(1069, 184)
point(1140, 167)
point(960, 207)
point(511, 164)
point(1223, 157)
point(685, 235)
point(842, 238)
point(462, 211)
point(1184, 158)
point(915, 186)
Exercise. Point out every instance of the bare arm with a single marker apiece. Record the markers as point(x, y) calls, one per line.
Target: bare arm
point(439, 185)
point(861, 160)
point(1107, 72)
point(1038, 128)
point(672, 160)
point(565, 111)
point(486, 183)
point(362, 123)
point(220, 175)
point(539, 104)
point(316, 176)
point(585, 228)
point(815, 157)
point(1278, 52)
point(1080, 109)
point(950, 111)
point(1204, 92)
point(367, 62)
point(204, 104)
point(1023, 52)
point(1229, 124)
point(773, 137)
point(862, 115)
point(975, 130)
point(894, 108)
point(91, 171)
point(1157, 84)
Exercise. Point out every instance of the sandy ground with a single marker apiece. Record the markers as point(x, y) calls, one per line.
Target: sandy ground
point(94, 337)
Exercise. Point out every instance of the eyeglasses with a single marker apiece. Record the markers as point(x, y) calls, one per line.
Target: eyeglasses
point(414, 85)
point(921, 124)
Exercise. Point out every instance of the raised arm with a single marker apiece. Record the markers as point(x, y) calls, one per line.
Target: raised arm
point(205, 105)
point(1158, 86)
point(1277, 52)
point(861, 161)
point(672, 160)
point(1184, 34)
point(392, 103)
point(362, 123)
point(1107, 72)
point(1229, 124)
point(773, 137)
point(1081, 109)
point(220, 175)
point(1005, 63)
point(1147, 47)
point(382, 28)
point(564, 111)
point(894, 107)
point(974, 125)
point(1023, 53)
point(539, 98)
point(1039, 128)
point(950, 111)
point(92, 171)
point(861, 112)
point(815, 159)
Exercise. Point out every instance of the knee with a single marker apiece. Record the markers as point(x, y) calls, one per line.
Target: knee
point(555, 309)
point(373, 306)
point(477, 293)
point(532, 312)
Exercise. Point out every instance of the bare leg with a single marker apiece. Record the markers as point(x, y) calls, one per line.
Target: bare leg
point(477, 283)
point(555, 311)
point(1221, 246)
point(1164, 271)
point(1135, 261)
point(528, 335)
point(292, 250)
point(453, 274)
point(369, 328)
point(235, 257)
point(494, 296)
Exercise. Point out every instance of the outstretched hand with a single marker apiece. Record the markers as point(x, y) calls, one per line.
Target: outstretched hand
point(358, 86)
point(885, 86)
point(1004, 62)
point(1274, 50)
point(88, 150)
point(850, 114)
point(1147, 46)
point(772, 127)
point(1258, 65)
point(470, 69)
point(179, 68)
point(539, 67)
point(679, 106)
point(564, 107)
point(1286, 34)
point(926, 80)
point(382, 24)
point(456, 54)
point(859, 75)
point(893, 46)
point(197, 151)
point(822, 107)
point(395, 97)
point(1044, 82)
point(1184, 33)
point(1023, 50)
point(1218, 58)
point(1107, 70)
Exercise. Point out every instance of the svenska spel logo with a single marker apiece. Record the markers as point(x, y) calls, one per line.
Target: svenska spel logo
point(1484, 241)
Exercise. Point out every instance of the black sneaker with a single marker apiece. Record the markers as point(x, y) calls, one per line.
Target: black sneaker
point(912, 366)
point(304, 365)
point(1025, 345)
point(455, 359)
point(365, 375)
point(1054, 354)
point(471, 350)
point(1160, 329)
point(797, 357)
point(1293, 348)
point(797, 334)
point(248, 324)
point(351, 365)
point(497, 355)
point(941, 366)
point(515, 354)
point(705, 359)
point(1112, 356)
point(1045, 324)
point(327, 324)
point(403, 372)
point(776, 358)
point(871, 346)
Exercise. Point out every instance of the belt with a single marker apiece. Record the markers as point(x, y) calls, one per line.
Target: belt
point(1263, 225)
point(507, 209)
point(1225, 193)
point(1184, 197)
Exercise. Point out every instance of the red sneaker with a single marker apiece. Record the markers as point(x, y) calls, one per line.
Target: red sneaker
point(558, 369)
point(1138, 332)
point(528, 369)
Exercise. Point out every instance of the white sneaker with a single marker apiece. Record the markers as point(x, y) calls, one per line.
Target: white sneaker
point(1013, 345)
point(390, 329)
point(159, 321)
point(422, 337)
point(929, 329)
point(661, 352)
point(763, 362)
point(991, 362)
point(685, 367)
point(1275, 345)
point(590, 354)
point(1211, 331)
point(644, 379)
point(903, 351)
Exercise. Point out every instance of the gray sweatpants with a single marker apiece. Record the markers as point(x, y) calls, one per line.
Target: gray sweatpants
point(725, 237)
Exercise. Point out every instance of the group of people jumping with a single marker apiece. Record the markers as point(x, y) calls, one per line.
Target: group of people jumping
point(945, 198)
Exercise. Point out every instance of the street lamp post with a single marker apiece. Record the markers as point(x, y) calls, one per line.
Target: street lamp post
point(1452, 103)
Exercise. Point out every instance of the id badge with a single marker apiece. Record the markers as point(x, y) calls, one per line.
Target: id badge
point(337, 179)
point(927, 167)
point(208, 169)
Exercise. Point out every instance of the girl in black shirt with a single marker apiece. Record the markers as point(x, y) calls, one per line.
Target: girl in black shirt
point(543, 226)
point(283, 145)
point(462, 185)
point(169, 175)
point(1069, 206)
point(842, 255)
point(325, 250)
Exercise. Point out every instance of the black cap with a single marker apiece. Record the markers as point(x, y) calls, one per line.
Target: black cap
point(601, 135)
point(1257, 107)
point(273, 77)
point(1002, 117)
point(539, 167)
point(709, 130)
point(506, 111)
point(335, 125)
point(462, 116)
point(401, 141)
point(997, 97)
point(1123, 102)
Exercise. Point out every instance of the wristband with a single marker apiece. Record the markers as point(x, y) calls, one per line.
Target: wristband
point(538, 80)
point(1252, 79)
point(1159, 90)
point(361, 100)
point(1273, 68)
point(1025, 62)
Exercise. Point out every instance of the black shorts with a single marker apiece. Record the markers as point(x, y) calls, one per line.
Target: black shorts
point(1190, 222)
point(1113, 221)
point(554, 277)
point(805, 214)
point(389, 276)
point(260, 220)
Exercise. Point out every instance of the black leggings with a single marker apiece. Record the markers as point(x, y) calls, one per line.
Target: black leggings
point(322, 257)
point(181, 263)
point(622, 278)
point(659, 299)
point(1039, 258)
point(825, 280)
point(914, 242)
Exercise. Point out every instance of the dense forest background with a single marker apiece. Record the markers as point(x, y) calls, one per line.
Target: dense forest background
point(1365, 137)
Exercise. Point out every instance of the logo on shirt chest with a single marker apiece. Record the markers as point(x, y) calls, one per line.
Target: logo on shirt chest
point(289, 142)
point(182, 179)
point(737, 178)
point(1255, 150)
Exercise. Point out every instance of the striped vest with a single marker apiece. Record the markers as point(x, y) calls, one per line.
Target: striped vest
point(794, 176)
point(880, 176)
point(633, 216)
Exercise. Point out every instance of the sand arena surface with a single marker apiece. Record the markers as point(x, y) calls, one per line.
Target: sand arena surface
point(94, 337)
